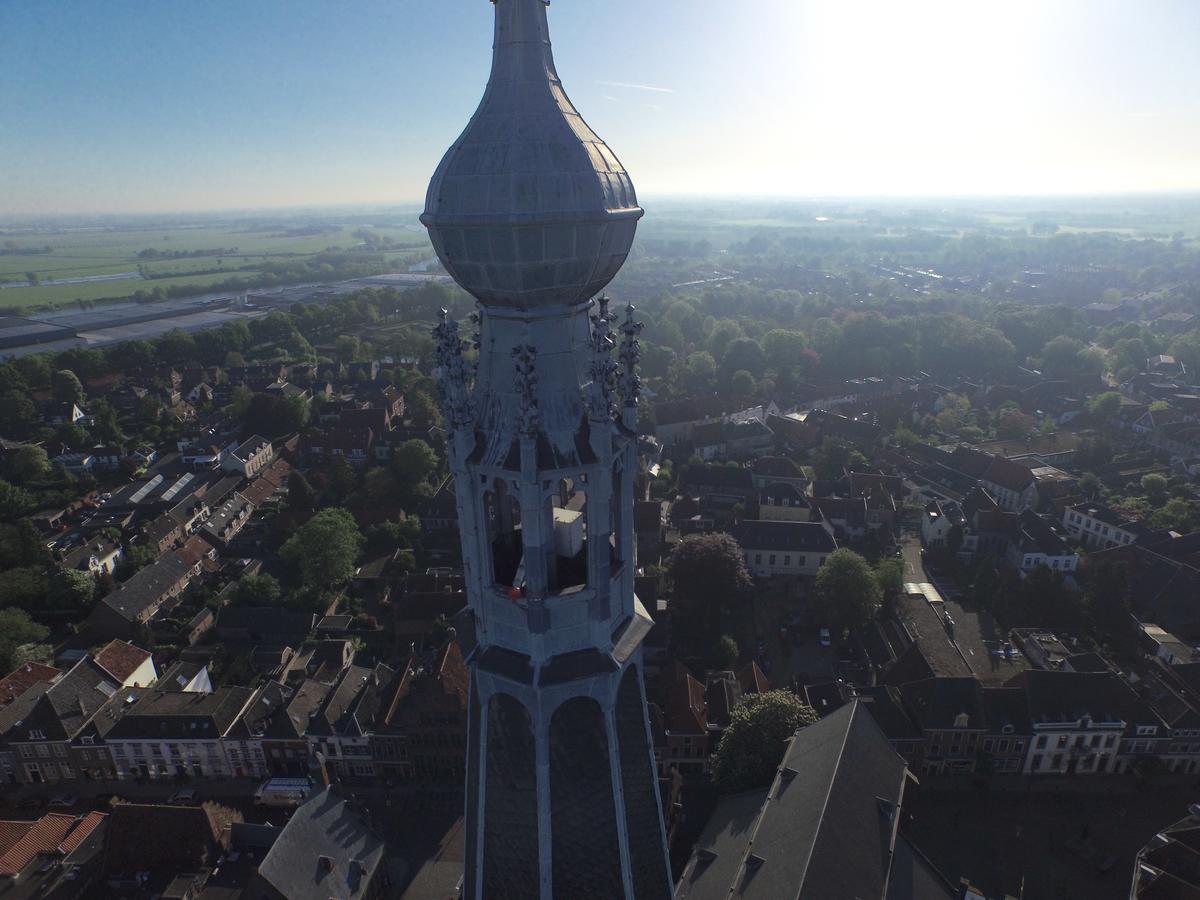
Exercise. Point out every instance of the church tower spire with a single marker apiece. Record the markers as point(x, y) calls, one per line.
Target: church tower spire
point(533, 214)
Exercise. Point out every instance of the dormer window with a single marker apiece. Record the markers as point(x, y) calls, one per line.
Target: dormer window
point(962, 720)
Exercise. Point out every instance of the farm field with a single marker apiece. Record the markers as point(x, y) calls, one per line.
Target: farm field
point(83, 256)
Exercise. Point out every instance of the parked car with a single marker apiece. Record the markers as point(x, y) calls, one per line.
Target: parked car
point(64, 801)
point(183, 797)
point(31, 803)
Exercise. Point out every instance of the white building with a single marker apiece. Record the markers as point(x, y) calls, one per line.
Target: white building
point(1100, 527)
point(773, 548)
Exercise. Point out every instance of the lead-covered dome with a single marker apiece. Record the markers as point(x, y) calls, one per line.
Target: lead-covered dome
point(529, 207)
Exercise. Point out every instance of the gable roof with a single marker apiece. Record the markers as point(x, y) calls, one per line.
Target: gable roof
point(325, 850)
point(182, 715)
point(156, 837)
point(120, 660)
point(22, 678)
point(825, 828)
point(69, 704)
point(42, 837)
point(803, 537)
point(147, 586)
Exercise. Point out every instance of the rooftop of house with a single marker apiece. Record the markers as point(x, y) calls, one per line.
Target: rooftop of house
point(1168, 867)
point(252, 446)
point(927, 631)
point(159, 838)
point(801, 537)
point(776, 467)
point(23, 842)
point(946, 703)
point(23, 677)
point(776, 494)
point(180, 715)
point(97, 547)
point(67, 706)
point(1068, 697)
point(303, 707)
point(147, 586)
point(325, 850)
point(121, 659)
point(1040, 534)
point(824, 828)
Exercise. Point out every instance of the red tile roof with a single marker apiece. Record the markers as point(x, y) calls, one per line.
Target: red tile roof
point(198, 550)
point(120, 660)
point(81, 832)
point(23, 678)
point(10, 833)
point(685, 710)
point(752, 679)
point(44, 837)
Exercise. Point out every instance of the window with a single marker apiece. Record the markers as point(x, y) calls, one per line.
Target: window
point(787, 559)
point(1062, 741)
point(1057, 762)
point(1041, 742)
point(771, 560)
point(758, 559)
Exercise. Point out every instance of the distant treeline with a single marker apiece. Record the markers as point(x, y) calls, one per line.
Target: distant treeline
point(153, 253)
point(12, 248)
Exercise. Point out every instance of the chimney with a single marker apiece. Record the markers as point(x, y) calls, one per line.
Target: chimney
point(324, 768)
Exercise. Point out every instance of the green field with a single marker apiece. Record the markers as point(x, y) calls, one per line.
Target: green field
point(85, 252)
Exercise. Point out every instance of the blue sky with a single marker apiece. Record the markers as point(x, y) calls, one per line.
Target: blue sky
point(159, 105)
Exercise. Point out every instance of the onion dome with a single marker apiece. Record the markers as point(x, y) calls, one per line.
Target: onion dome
point(529, 208)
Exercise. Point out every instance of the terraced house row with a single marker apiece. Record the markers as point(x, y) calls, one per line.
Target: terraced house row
point(111, 717)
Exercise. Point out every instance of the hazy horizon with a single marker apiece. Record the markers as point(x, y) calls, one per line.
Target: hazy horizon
point(170, 110)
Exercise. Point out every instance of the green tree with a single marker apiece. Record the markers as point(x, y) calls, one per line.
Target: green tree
point(70, 589)
point(1104, 406)
point(24, 587)
point(1155, 487)
point(423, 412)
point(21, 545)
point(1174, 515)
point(743, 353)
point(846, 591)
point(742, 384)
point(17, 630)
point(342, 478)
point(257, 590)
point(14, 501)
point(414, 464)
point(325, 549)
point(29, 463)
point(889, 573)
point(751, 748)
point(784, 349)
point(67, 387)
point(710, 582)
point(1012, 423)
point(725, 654)
point(18, 415)
point(136, 558)
point(1061, 355)
point(300, 492)
point(834, 457)
point(700, 371)
point(1089, 485)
